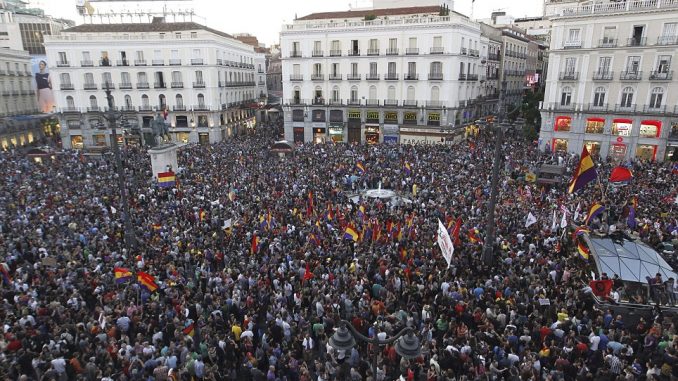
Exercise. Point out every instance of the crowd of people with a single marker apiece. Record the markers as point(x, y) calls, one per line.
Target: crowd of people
point(255, 270)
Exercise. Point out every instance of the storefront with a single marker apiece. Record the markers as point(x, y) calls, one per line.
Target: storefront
point(372, 133)
point(563, 124)
point(618, 148)
point(298, 134)
point(646, 152)
point(559, 145)
point(354, 126)
point(433, 119)
point(99, 140)
point(595, 125)
point(671, 151)
point(412, 135)
point(650, 128)
point(77, 142)
point(593, 147)
point(622, 127)
point(391, 133)
point(319, 133)
point(337, 132)
point(182, 137)
point(204, 138)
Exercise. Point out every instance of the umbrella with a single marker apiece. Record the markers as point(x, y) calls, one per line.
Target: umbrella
point(620, 174)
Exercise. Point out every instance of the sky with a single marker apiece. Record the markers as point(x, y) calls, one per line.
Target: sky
point(264, 18)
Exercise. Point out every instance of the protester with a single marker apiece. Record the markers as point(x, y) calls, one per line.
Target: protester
point(255, 266)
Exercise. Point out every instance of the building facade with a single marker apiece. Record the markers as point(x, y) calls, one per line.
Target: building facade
point(18, 105)
point(611, 84)
point(202, 82)
point(381, 75)
point(513, 64)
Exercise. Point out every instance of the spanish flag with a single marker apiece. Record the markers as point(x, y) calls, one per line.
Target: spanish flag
point(147, 281)
point(585, 172)
point(351, 234)
point(122, 275)
point(166, 179)
point(594, 211)
point(254, 248)
point(360, 167)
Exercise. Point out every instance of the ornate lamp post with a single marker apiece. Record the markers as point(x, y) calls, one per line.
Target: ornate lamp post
point(406, 343)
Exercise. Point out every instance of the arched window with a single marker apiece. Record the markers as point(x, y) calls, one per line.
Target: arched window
point(627, 97)
point(128, 102)
point(201, 101)
point(566, 96)
point(354, 94)
point(336, 95)
point(391, 95)
point(435, 94)
point(144, 100)
point(93, 102)
point(410, 93)
point(162, 102)
point(179, 101)
point(656, 97)
point(70, 103)
point(296, 94)
point(317, 95)
point(373, 92)
point(599, 97)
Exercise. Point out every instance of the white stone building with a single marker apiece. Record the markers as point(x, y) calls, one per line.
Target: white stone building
point(407, 74)
point(611, 83)
point(202, 81)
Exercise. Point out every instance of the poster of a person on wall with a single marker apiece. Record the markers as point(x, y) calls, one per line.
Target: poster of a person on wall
point(44, 85)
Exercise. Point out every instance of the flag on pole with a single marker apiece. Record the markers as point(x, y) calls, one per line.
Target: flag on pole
point(576, 212)
point(554, 223)
point(407, 168)
point(456, 230)
point(147, 281)
point(360, 167)
point(594, 211)
point(351, 234)
point(189, 329)
point(445, 243)
point(578, 232)
point(563, 221)
point(583, 250)
point(308, 275)
point(631, 220)
point(531, 219)
point(122, 275)
point(585, 172)
point(620, 174)
point(254, 245)
point(166, 179)
point(601, 287)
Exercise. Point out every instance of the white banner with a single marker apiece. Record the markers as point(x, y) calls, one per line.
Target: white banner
point(531, 219)
point(445, 243)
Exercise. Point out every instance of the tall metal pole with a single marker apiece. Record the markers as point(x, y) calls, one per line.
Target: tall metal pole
point(111, 117)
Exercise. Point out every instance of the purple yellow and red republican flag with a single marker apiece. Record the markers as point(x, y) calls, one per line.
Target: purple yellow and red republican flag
point(585, 172)
point(147, 281)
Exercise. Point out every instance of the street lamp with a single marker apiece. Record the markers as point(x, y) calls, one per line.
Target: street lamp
point(112, 118)
point(406, 343)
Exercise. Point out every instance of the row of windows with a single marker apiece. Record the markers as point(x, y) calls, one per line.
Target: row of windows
point(373, 45)
point(619, 126)
point(633, 64)
point(626, 97)
point(354, 95)
point(637, 36)
point(11, 85)
point(162, 100)
point(17, 67)
point(434, 68)
point(104, 59)
point(159, 77)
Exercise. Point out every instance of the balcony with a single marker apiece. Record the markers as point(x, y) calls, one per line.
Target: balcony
point(296, 77)
point(569, 76)
point(318, 101)
point(493, 56)
point(412, 51)
point(90, 86)
point(410, 103)
point(93, 109)
point(142, 85)
point(175, 62)
point(625, 108)
point(353, 53)
point(125, 86)
point(603, 76)
point(473, 53)
point(261, 83)
point(437, 50)
point(372, 77)
point(70, 109)
point(372, 102)
point(392, 52)
point(145, 108)
point(572, 45)
point(596, 107)
point(434, 104)
point(296, 101)
point(122, 63)
point(104, 62)
point(158, 62)
point(654, 109)
point(67, 86)
point(463, 51)
point(372, 52)
point(179, 108)
point(201, 108)
point(631, 76)
point(63, 64)
point(335, 77)
point(472, 77)
point(667, 40)
point(636, 41)
point(177, 85)
point(197, 61)
point(391, 102)
point(295, 54)
point(335, 53)
point(411, 77)
point(354, 77)
point(462, 77)
point(317, 53)
point(86, 63)
point(335, 102)
point(664, 75)
point(139, 62)
point(317, 77)
point(607, 43)
point(353, 102)
point(159, 85)
point(561, 106)
point(199, 85)
point(391, 77)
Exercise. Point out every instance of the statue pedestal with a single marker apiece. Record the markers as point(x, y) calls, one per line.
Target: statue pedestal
point(163, 158)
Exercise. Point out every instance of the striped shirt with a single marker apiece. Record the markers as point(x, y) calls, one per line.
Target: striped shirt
point(615, 364)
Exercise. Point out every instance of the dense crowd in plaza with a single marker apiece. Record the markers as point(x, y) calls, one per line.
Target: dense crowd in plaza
point(255, 271)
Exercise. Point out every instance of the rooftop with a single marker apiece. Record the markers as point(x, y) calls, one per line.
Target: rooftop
point(155, 26)
point(370, 12)
point(609, 7)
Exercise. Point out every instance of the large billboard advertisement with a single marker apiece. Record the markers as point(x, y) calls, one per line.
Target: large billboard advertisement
point(42, 83)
